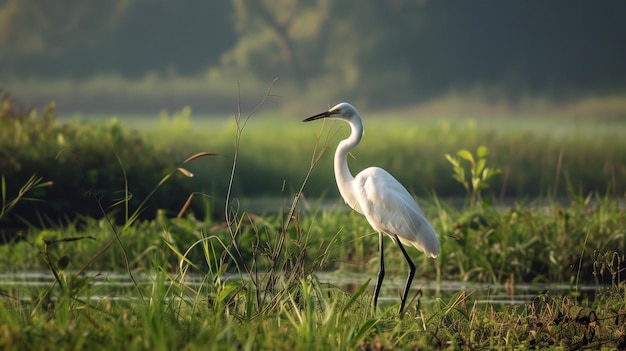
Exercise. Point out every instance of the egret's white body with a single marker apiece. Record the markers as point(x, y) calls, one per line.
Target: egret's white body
point(377, 195)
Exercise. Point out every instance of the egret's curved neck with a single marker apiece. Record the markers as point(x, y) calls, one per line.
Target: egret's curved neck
point(342, 173)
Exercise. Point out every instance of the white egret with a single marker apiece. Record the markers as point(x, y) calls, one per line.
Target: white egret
point(377, 195)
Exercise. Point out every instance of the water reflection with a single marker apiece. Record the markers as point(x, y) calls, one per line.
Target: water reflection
point(115, 285)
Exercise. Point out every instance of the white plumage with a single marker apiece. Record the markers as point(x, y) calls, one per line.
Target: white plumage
point(389, 208)
point(376, 194)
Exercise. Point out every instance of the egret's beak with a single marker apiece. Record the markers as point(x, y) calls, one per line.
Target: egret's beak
point(318, 116)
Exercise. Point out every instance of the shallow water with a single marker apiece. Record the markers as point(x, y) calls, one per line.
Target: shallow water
point(116, 285)
point(272, 205)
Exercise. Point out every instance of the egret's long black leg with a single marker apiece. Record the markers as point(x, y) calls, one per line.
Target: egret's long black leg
point(411, 275)
point(381, 271)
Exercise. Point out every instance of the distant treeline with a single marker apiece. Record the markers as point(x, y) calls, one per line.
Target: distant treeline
point(393, 50)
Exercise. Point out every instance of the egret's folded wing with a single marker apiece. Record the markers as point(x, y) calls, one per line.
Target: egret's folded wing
point(390, 208)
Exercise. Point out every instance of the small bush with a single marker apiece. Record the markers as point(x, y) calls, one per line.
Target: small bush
point(84, 161)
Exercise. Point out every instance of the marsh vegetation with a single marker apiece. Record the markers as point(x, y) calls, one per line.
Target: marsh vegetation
point(204, 272)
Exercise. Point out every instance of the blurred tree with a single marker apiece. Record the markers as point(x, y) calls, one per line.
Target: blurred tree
point(280, 25)
point(269, 37)
point(37, 35)
point(377, 58)
point(173, 37)
point(35, 26)
point(518, 48)
point(76, 38)
point(349, 44)
point(383, 52)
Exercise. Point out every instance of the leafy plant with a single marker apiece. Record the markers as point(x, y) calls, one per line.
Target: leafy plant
point(479, 174)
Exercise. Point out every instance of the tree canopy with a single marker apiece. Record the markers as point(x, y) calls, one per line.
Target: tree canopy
point(396, 51)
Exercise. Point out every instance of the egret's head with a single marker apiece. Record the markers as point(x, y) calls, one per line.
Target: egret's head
point(341, 111)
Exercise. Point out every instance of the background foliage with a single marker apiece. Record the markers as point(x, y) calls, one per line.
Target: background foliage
point(538, 157)
point(379, 53)
point(84, 161)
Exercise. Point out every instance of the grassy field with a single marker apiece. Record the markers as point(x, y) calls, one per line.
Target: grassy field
point(276, 300)
point(540, 156)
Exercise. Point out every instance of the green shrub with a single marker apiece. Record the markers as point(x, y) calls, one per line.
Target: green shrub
point(85, 162)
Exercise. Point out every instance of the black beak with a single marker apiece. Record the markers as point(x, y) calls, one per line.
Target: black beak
point(318, 116)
